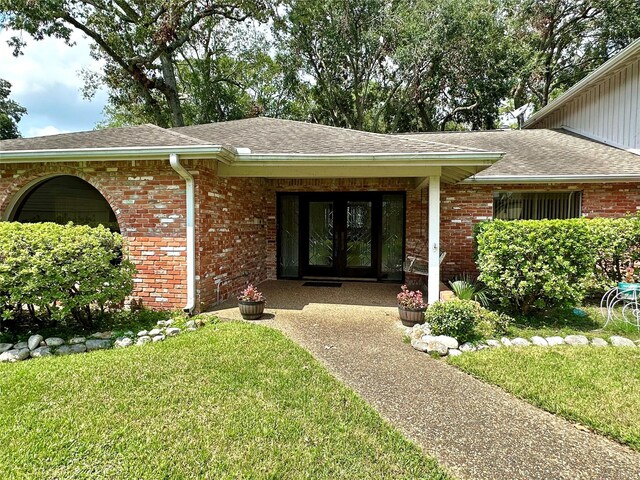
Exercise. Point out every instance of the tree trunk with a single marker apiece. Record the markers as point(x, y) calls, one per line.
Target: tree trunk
point(169, 89)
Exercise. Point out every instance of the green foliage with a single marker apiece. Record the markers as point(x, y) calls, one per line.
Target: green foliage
point(544, 264)
point(561, 41)
point(138, 42)
point(465, 320)
point(534, 264)
point(10, 112)
point(616, 245)
point(468, 289)
point(59, 271)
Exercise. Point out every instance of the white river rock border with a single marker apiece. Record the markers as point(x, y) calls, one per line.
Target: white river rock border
point(37, 346)
point(442, 345)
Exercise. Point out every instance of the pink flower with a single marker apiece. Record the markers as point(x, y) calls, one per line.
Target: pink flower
point(410, 298)
point(251, 294)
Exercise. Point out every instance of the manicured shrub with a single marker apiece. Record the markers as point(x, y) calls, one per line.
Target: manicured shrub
point(465, 320)
point(616, 244)
point(543, 264)
point(535, 264)
point(61, 271)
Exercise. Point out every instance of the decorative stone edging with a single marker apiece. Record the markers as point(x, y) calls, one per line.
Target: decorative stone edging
point(423, 341)
point(37, 346)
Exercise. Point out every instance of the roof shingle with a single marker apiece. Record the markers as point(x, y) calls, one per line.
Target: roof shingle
point(542, 152)
point(264, 135)
point(137, 136)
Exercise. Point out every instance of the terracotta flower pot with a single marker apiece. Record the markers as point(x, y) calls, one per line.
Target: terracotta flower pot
point(251, 310)
point(411, 316)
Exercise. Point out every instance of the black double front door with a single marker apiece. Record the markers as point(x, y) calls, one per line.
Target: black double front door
point(341, 235)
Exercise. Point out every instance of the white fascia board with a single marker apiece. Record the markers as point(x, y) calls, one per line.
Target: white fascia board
point(115, 153)
point(512, 179)
point(599, 73)
point(382, 159)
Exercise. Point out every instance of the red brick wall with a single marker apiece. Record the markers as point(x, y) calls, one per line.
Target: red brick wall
point(236, 219)
point(231, 234)
point(148, 198)
point(465, 205)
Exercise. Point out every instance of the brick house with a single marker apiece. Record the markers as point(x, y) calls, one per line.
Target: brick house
point(207, 208)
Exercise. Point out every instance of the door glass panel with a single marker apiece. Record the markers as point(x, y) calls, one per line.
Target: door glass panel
point(321, 234)
point(289, 235)
point(359, 234)
point(392, 236)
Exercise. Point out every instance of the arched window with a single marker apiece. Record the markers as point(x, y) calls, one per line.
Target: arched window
point(65, 199)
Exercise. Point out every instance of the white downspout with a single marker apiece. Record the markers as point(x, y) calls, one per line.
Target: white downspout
point(174, 160)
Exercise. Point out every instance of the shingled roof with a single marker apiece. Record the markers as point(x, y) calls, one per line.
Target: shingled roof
point(125, 137)
point(264, 135)
point(542, 153)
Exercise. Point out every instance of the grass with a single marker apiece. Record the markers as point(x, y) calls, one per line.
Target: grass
point(597, 387)
point(232, 400)
point(568, 323)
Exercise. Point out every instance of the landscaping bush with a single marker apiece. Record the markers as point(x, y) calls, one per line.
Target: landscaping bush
point(57, 271)
point(535, 264)
point(616, 245)
point(465, 320)
point(544, 264)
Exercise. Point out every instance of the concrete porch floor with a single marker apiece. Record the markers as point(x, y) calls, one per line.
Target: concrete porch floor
point(289, 298)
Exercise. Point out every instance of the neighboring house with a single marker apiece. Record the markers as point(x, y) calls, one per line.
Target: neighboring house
point(207, 208)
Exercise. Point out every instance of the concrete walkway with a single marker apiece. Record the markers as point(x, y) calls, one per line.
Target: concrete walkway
point(475, 430)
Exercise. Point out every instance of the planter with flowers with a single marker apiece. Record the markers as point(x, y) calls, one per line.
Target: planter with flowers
point(411, 306)
point(251, 303)
point(629, 289)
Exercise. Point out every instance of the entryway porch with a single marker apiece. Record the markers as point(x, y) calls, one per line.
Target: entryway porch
point(291, 300)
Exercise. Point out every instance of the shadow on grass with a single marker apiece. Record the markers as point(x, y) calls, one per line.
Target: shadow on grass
point(587, 320)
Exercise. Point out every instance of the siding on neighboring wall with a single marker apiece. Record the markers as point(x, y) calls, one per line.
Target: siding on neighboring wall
point(148, 199)
point(607, 111)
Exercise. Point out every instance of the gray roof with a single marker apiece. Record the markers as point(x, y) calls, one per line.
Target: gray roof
point(543, 152)
point(264, 135)
point(138, 136)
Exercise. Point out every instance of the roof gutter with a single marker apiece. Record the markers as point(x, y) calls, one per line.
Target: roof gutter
point(607, 67)
point(443, 158)
point(218, 152)
point(512, 179)
point(174, 161)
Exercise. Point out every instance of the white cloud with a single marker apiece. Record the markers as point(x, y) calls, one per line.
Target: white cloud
point(46, 81)
point(39, 132)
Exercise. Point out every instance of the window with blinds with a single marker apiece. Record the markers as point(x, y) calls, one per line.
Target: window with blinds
point(536, 205)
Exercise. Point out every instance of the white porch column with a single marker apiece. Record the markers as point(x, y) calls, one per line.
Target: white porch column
point(433, 290)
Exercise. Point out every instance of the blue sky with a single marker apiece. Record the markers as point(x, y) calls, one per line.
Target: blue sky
point(46, 81)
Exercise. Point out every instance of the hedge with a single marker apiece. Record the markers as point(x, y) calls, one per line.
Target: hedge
point(542, 264)
point(60, 271)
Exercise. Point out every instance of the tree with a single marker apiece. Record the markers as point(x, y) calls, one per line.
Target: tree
point(10, 112)
point(561, 41)
point(138, 39)
point(337, 51)
point(455, 62)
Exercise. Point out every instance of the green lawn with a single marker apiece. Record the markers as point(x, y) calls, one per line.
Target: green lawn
point(567, 323)
point(232, 400)
point(598, 387)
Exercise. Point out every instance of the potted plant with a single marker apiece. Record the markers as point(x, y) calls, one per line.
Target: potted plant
point(251, 303)
point(629, 288)
point(411, 306)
